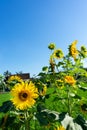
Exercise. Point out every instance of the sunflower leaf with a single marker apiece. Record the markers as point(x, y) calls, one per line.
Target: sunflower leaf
point(6, 106)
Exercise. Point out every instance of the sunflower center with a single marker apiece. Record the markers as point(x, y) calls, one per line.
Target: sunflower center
point(57, 54)
point(23, 96)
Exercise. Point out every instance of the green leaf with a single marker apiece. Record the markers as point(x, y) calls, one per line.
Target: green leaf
point(46, 116)
point(42, 118)
point(6, 106)
point(50, 90)
point(6, 121)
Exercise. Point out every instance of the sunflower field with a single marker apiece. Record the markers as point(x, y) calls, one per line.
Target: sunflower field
point(56, 99)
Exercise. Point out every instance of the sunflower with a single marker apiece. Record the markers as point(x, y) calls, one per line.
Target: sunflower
point(59, 128)
point(58, 54)
point(51, 46)
point(42, 88)
point(59, 83)
point(24, 95)
point(43, 92)
point(15, 78)
point(70, 80)
point(72, 49)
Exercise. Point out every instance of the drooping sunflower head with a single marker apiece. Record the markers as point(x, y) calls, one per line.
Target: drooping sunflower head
point(58, 54)
point(51, 46)
point(73, 50)
point(59, 83)
point(43, 91)
point(74, 42)
point(70, 80)
point(42, 88)
point(59, 128)
point(24, 95)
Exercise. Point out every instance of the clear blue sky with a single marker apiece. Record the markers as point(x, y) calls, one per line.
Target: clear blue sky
point(28, 26)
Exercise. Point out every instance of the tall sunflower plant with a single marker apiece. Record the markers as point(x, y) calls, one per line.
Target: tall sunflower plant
point(56, 99)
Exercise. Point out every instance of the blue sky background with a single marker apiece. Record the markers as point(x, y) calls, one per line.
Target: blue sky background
point(28, 26)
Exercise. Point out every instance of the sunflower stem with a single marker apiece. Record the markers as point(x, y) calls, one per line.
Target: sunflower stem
point(27, 125)
point(68, 98)
point(27, 121)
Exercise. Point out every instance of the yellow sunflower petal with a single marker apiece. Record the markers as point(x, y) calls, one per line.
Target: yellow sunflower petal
point(70, 80)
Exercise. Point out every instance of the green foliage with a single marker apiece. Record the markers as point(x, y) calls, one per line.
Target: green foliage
point(6, 106)
point(4, 97)
point(62, 90)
